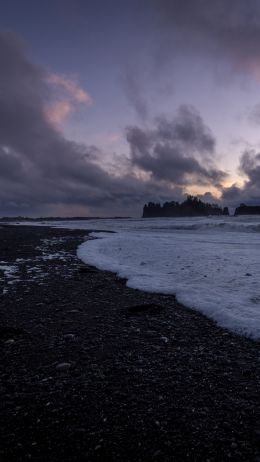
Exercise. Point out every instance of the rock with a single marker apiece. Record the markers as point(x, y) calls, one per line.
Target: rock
point(69, 336)
point(145, 308)
point(9, 342)
point(7, 333)
point(86, 269)
point(247, 372)
point(63, 366)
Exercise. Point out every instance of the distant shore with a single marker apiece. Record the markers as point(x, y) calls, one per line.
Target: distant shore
point(92, 370)
point(6, 220)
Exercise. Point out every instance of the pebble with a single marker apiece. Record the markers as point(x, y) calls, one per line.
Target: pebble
point(69, 336)
point(186, 399)
point(9, 342)
point(63, 366)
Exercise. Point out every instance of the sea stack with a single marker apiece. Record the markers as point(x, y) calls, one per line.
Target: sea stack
point(191, 207)
point(247, 210)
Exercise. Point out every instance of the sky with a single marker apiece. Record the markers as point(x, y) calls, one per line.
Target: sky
point(105, 106)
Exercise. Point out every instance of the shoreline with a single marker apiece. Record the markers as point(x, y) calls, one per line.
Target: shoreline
point(93, 370)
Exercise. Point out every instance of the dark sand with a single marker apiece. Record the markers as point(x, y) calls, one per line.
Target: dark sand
point(156, 383)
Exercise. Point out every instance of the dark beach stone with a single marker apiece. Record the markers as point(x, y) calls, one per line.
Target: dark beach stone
point(87, 270)
point(7, 333)
point(120, 375)
point(69, 337)
point(63, 366)
point(150, 308)
point(10, 341)
point(247, 372)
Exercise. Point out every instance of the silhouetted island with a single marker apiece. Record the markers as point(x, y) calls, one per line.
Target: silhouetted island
point(191, 207)
point(247, 210)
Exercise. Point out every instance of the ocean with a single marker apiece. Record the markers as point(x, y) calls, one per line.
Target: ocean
point(210, 264)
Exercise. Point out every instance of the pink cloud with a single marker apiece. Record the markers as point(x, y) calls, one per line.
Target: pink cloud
point(68, 96)
point(71, 88)
point(58, 112)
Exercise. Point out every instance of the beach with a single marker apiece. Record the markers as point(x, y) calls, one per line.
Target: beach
point(93, 370)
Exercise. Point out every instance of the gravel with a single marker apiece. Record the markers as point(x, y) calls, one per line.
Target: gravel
point(92, 370)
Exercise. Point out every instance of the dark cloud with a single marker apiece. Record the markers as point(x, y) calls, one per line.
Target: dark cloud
point(180, 151)
point(42, 172)
point(187, 128)
point(40, 169)
point(250, 192)
point(39, 166)
point(250, 165)
point(230, 29)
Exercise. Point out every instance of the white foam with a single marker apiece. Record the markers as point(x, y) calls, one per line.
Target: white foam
point(10, 273)
point(9, 270)
point(209, 268)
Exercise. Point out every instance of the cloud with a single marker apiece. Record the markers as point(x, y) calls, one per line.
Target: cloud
point(71, 87)
point(135, 94)
point(250, 192)
point(228, 30)
point(188, 129)
point(68, 96)
point(58, 112)
point(250, 163)
point(42, 172)
point(178, 151)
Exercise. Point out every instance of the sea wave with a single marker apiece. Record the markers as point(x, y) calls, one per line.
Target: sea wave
point(215, 273)
point(212, 226)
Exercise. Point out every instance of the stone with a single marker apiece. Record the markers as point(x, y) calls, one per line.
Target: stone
point(63, 366)
point(69, 336)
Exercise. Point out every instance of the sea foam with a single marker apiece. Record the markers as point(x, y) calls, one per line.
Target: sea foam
point(211, 265)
